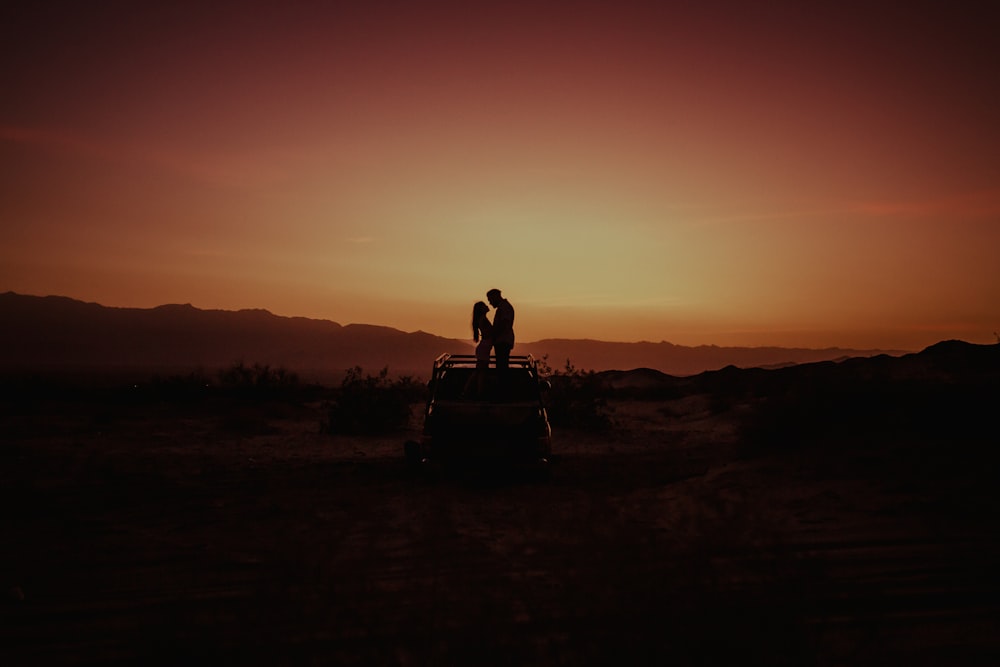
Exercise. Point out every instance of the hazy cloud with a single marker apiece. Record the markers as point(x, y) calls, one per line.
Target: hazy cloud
point(975, 204)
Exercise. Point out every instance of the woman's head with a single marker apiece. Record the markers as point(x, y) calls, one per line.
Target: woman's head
point(478, 310)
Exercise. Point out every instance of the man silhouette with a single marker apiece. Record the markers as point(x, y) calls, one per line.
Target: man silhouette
point(503, 328)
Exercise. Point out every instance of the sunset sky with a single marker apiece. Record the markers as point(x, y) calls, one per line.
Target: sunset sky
point(782, 173)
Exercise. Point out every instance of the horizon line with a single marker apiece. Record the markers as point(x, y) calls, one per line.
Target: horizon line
point(422, 331)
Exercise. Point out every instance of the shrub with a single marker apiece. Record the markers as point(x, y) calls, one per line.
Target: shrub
point(577, 399)
point(188, 388)
point(258, 379)
point(367, 404)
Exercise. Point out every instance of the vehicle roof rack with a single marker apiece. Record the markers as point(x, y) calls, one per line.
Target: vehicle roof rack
point(448, 360)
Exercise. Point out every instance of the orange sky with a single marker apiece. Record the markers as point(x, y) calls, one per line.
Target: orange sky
point(794, 174)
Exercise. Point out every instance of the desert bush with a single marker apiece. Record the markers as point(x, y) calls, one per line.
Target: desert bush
point(372, 403)
point(258, 380)
point(182, 388)
point(576, 399)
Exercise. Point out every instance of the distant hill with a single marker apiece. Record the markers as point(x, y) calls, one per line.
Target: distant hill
point(679, 359)
point(54, 333)
point(929, 412)
point(943, 364)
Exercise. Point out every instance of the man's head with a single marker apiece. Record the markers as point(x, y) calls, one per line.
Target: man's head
point(493, 296)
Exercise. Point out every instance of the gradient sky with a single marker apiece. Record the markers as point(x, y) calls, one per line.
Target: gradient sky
point(779, 173)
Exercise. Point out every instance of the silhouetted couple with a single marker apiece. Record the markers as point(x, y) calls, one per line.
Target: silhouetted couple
point(497, 336)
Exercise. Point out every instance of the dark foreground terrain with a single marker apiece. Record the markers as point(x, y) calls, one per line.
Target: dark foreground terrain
point(699, 530)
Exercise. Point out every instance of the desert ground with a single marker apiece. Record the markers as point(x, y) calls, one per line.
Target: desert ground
point(236, 532)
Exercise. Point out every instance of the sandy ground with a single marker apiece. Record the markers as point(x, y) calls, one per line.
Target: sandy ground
point(165, 535)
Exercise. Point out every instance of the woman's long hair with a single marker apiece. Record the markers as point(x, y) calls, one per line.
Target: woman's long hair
point(479, 309)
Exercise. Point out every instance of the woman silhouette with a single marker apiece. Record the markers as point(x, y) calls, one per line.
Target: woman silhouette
point(482, 333)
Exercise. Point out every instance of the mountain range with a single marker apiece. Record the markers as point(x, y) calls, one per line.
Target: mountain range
point(58, 333)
